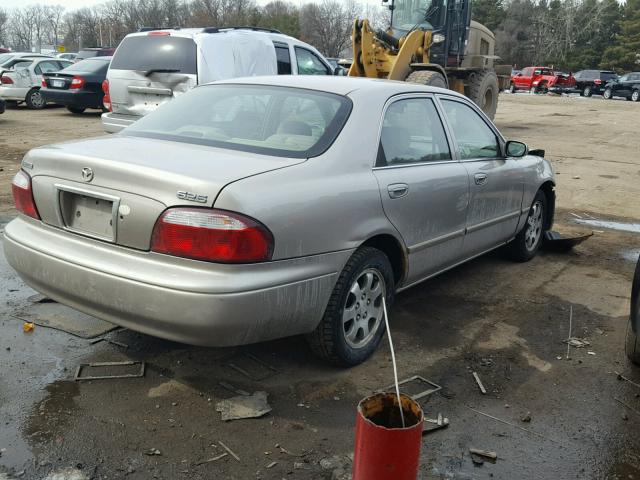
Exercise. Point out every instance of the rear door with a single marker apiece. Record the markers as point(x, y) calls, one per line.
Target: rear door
point(149, 70)
point(424, 190)
point(496, 182)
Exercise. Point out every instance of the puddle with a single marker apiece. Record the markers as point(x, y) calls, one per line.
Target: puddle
point(631, 255)
point(621, 226)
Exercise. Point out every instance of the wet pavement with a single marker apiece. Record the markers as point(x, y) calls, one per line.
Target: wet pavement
point(505, 321)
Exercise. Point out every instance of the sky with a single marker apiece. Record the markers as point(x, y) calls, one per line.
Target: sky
point(74, 4)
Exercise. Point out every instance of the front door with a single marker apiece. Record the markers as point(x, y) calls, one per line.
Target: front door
point(424, 190)
point(496, 182)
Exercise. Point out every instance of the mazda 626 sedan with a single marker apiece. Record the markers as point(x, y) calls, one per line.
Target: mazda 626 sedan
point(254, 209)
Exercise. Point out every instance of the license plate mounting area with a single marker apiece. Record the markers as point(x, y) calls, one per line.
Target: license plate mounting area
point(89, 213)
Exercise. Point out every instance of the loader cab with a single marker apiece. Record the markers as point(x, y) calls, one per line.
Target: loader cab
point(448, 20)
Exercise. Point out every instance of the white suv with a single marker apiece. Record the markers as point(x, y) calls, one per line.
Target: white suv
point(150, 67)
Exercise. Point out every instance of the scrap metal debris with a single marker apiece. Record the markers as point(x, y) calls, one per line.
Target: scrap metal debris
point(138, 369)
point(433, 387)
point(622, 377)
point(251, 367)
point(229, 451)
point(244, 406)
point(231, 388)
point(556, 242)
point(433, 424)
point(577, 342)
point(484, 453)
point(153, 451)
point(479, 382)
point(214, 459)
point(112, 342)
point(513, 425)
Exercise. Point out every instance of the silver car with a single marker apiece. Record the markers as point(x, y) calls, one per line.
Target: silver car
point(260, 208)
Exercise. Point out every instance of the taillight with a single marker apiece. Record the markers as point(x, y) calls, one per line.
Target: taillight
point(23, 194)
point(44, 83)
point(211, 235)
point(76, 82)
point(156, 33)
point(597, 81)
point(4, 80)
point(106, 100)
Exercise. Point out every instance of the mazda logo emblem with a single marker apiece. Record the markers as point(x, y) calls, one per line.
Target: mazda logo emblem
point(87, 174)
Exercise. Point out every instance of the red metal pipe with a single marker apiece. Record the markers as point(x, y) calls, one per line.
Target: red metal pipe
point(384, 450)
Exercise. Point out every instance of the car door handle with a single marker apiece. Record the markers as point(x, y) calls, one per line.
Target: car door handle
point(480, 178)
point(398, 190)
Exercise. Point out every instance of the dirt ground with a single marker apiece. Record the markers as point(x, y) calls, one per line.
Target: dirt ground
point(505, 321)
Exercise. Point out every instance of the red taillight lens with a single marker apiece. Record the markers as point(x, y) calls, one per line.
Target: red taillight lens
point(106, 100)
point(76, 82)
point(597, 81)
point(6, 80)
point(158, 34)
point(23, 194)
point(211, 235)
point(44, 83)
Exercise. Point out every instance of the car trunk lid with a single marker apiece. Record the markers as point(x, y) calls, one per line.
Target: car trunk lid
point(114, 189)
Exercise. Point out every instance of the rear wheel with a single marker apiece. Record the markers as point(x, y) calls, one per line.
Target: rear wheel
point(586, 92)
point(34, 99)
point(635, 96)
point(533, 90)
point(76, 109)
point(512, 88)
point(353, 322)
point(608, 94)
point(483, 90)
point(527, 243)
point(427, 77)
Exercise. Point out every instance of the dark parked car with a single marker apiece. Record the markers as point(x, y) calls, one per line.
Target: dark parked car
point(627, 86)
point(590, 82)
point(94, 52)
point(632, 347)
point(78, 86)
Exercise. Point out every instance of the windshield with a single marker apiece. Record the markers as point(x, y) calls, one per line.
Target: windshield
point(279, 121)
point(156, 52)
point(424, 14)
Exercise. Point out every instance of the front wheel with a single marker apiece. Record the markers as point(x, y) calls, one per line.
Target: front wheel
point(527, 243)
point(587, 91)
point(533, 90)
point(512, 88)
point(632, 348)
point(635, 96)
point(35, 100)
point(353, 322)
point(608, 94)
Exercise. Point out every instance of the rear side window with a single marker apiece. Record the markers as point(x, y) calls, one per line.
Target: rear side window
point(278, 121)
point(607, 75)
point(284, 60)
point(412, 133)
point(156, 52)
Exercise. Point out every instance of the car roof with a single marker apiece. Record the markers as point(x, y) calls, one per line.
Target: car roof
point(338, 85)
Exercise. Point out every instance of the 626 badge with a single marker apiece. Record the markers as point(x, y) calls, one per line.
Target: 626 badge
point(192, 197)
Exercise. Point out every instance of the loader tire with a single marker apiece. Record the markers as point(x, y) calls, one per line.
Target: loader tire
point(427, 77)
point(483, 90)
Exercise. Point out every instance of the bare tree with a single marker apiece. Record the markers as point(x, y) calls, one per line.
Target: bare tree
point(54, 14)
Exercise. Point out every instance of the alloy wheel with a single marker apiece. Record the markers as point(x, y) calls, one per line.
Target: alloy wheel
point(363, 311)
point(534, 226)
point(37, 100)
point(635, 96)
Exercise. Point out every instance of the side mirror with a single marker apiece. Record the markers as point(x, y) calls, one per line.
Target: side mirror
point(516, 149)
point(339, 71)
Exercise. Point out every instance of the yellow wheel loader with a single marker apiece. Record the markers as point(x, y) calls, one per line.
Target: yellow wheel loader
point(432, 42)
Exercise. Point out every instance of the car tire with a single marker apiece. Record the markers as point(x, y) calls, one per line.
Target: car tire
point(344, 341)
point(587, 92)
point(632, 348)
point(76, 109)
point(527, 242)
point(533, 90)
point(34, 99)
point(635, 96)
point(512, 88)
point(608, 94)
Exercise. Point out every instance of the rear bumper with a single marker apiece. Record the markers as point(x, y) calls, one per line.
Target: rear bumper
point(182, 300)
point(562, 89)
point(114, 122)
point(3, 105)
point(14, 93)
point(72, 98)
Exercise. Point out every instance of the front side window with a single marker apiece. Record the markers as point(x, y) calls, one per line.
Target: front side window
point(278, 121)
point(309, 63)
point(412, 133)
point(527, 72)
point(474, 137)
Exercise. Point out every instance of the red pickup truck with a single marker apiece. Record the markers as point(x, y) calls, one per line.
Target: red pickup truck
point(542, 79)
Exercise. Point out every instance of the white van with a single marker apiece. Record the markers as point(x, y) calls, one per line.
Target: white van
point(152, 66)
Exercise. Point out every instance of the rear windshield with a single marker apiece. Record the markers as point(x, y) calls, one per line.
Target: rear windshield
point(6, 56)
point(88, 53)
point(90, 65)
point(279, 121)
point(156, 52)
